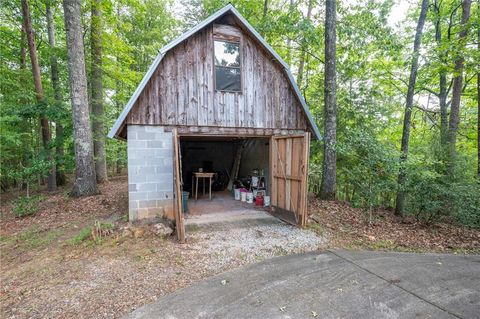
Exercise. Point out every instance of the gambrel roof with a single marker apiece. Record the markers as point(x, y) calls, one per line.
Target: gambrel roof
point(217, 15)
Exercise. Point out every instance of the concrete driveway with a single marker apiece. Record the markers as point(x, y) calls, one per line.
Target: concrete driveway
point(333, 284)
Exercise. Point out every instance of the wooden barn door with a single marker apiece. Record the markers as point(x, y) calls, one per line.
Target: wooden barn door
point(289, 166)
point(178, 187)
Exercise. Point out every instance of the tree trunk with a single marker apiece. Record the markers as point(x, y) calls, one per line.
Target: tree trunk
point(25, 125)
point(60, 170)
point(442, 96)
point(301, 64)
point(85, 179)
point(23, 50)
point(457, 91)
point(329, 171)
point(118, 164)
point(478, 95)
point(400, 204)
point(118, 107)
point(97, 93)
point(46, 135)
point(289, 41)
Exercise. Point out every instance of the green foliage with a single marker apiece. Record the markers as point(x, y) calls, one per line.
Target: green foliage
point(36, 238)
point(372, 72)
point(83, 235)
point(92, 235)
point(37, 168)
point(370, 167)
point(27, 206)
point(432, 197)
point(134, 31)
point(466, 203)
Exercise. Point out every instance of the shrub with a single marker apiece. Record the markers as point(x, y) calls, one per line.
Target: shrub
point(466, 203)
point(36, 238)
point(27, 206)
point(84, 234)
point(433, 197)
point(92, 234)
point(367, 169)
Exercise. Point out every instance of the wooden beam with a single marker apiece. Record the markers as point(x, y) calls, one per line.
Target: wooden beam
point(179, 223)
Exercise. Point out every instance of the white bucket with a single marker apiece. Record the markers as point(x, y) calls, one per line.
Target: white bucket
point(266, 201)
point(243, 196)
point(250, 198)
point(237, 193)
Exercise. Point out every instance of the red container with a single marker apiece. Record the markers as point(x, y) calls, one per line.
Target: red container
point(259, 200)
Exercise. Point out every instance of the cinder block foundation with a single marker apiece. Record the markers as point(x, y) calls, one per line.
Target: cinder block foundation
point(150, 172)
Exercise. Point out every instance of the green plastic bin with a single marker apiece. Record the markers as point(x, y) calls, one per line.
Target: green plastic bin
point(185, 202)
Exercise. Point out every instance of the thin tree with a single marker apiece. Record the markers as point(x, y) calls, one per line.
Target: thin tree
point(329, 171)
point(400, 203)
point(478, 94)
point(97, 92)
point(454, 119)
point(443, 92)
point(85, 180)
point(37, 79)
point(57, 92)
point(264, 17)
point(301, 64)
point(118, 107)
point(288, 58)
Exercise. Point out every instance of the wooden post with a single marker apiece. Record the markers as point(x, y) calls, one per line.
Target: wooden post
point(178, 190)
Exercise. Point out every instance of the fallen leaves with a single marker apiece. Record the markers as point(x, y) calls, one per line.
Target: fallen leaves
point(348, 229)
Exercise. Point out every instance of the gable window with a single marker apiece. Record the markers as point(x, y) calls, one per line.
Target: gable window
point(227, 66)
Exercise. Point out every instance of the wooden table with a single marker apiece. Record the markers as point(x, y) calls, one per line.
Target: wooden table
point(203, 175)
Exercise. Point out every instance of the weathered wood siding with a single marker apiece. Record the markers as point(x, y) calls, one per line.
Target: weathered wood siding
point(181, 92)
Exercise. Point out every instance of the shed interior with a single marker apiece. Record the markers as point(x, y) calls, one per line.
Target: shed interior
point(220, 155)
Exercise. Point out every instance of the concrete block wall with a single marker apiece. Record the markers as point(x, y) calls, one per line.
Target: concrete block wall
point(150, 172)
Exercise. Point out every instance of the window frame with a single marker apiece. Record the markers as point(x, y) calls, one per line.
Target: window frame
point(233, 40)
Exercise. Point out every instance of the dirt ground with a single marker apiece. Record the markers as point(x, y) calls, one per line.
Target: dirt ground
point(51, 268)
point(47, 271)
point(347, 228)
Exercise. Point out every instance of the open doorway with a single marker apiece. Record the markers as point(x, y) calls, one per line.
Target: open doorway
point(233, 163)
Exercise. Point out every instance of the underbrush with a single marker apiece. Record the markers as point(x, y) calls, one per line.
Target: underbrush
point(93, 234)
point(34, 238)
point(349, 228)
point(27, 205)
point(367, 177)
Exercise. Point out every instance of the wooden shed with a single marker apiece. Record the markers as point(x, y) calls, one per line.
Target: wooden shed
point(217, 99)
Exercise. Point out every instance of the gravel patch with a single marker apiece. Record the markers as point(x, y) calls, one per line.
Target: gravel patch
point(254, 243)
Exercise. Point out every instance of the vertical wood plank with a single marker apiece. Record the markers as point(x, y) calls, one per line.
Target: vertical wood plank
point(181, 91)
point(304, 194)
point(288, 172)
point(281, 181)
point(179, 219)
point(271, 152)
